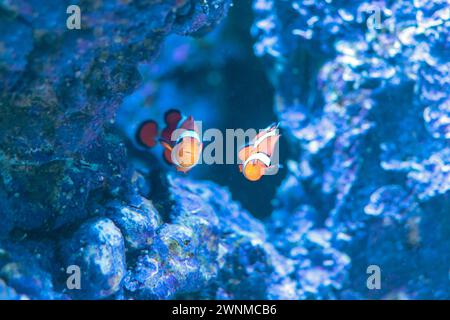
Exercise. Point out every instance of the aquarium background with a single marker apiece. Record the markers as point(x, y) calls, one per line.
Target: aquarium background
point(361, 92)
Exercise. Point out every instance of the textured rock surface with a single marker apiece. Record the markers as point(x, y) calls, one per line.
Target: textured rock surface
point(367, 110)
point(60, 163)
point(97, 248)
point(60, 90)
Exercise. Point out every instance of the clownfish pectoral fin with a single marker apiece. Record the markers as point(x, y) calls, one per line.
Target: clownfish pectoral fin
point(166, 145)
point(261, 134)
point(167, 156)
point(167, 153)
point(147, 133)
point(266, 130)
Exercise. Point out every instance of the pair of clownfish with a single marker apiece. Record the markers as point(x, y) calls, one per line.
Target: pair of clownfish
point(183, 151)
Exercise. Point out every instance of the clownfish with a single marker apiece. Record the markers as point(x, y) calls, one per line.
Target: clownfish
point(184, 152)
point(256, 156)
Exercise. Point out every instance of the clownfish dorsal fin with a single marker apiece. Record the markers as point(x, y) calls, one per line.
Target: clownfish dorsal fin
point(188, 124)
point(265, 140)
point(267, 145)
point(264, 132)
point(260, 134)
point(245, 152)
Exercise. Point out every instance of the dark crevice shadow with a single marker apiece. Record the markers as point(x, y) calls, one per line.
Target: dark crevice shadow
point(247, 103)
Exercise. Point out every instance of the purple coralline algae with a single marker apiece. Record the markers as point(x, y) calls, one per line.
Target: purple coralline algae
point(361, 91)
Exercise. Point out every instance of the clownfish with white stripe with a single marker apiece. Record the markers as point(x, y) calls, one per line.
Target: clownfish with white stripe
point(183, 151)
point(257, 156)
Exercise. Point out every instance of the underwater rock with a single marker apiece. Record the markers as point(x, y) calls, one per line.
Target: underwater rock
point(173, 266)
point(209, 247)
point(364, 104)
point(26, 270)
point(137, 221)
point(5, 216)
point(234, 243)
point(60, 162)
point(61, 190)
point(320, 269)
point(55, 122)
point(390, 201)
point(97, 248)
point(8, 293)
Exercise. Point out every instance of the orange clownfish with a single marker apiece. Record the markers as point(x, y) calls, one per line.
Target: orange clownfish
point(183, 152)
point(256, 157)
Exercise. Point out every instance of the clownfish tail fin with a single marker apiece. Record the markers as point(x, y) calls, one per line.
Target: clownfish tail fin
point(147, 133)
